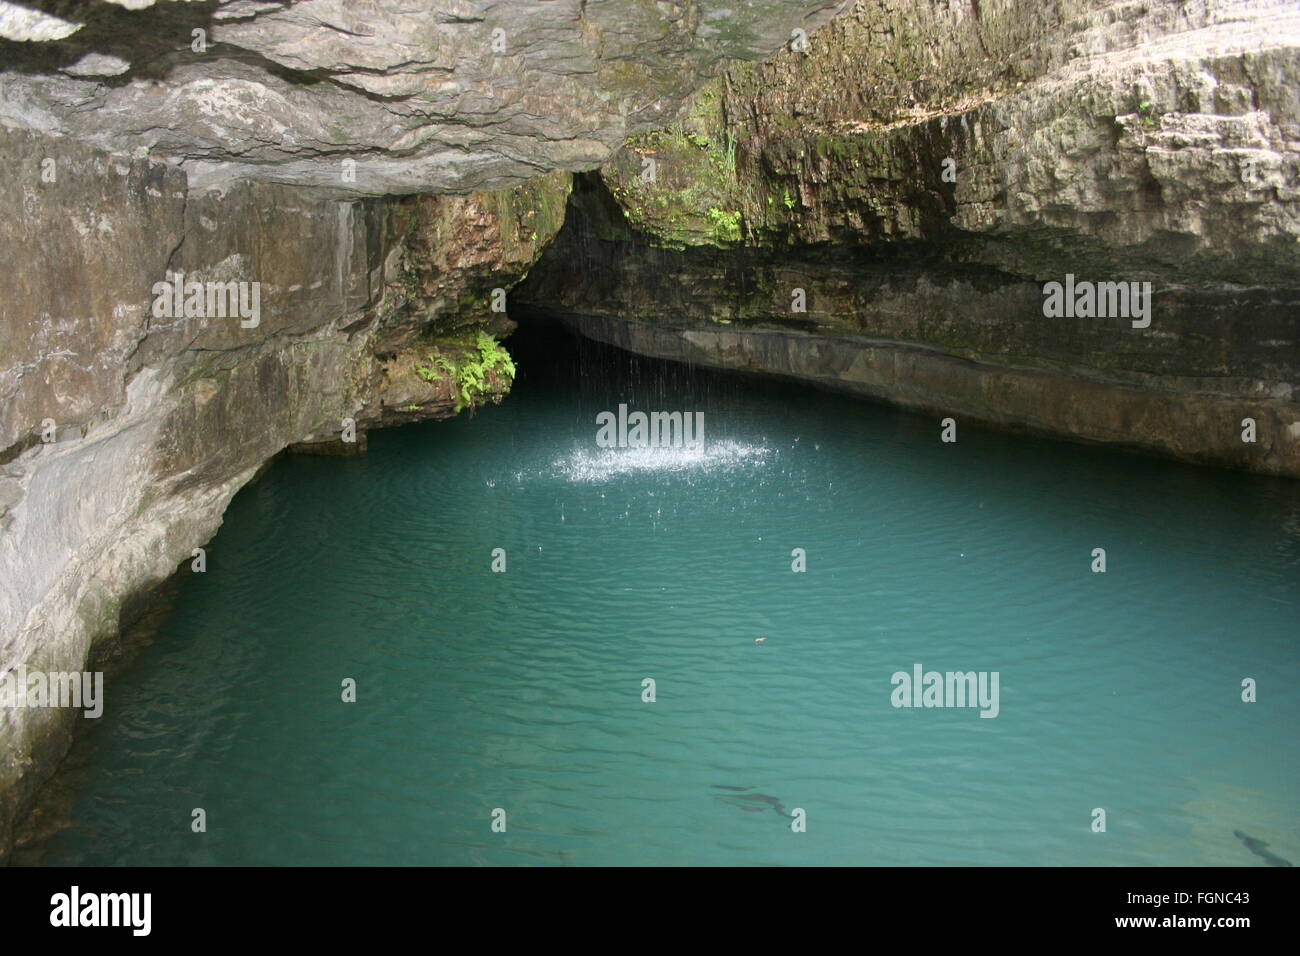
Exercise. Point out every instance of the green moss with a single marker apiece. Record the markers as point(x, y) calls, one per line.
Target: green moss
point(690, 182)
point(532, 212)
point(725, 224)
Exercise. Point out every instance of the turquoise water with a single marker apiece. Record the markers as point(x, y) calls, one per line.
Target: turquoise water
point(523, 690)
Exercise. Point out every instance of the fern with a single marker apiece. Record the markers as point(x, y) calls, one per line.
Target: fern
point(469, 375)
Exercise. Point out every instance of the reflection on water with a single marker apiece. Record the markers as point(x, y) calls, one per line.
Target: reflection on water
point(723, 457)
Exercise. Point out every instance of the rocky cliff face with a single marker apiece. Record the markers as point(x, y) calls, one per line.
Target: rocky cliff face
point(883, 212)
point(356, 186)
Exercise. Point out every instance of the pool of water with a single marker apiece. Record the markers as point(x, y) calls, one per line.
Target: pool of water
point(523, 691)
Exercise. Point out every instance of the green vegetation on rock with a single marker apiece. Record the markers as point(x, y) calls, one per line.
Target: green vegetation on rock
point(725, 224)
point(693, 197)
point(467, 365)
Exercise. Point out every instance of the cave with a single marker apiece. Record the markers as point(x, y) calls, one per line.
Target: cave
point(611, 433)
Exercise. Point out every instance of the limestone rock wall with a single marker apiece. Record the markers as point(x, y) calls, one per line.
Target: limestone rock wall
point(923, 170)
point(418, 97)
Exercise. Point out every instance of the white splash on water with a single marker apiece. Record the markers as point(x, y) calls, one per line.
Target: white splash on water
point(602, 464)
